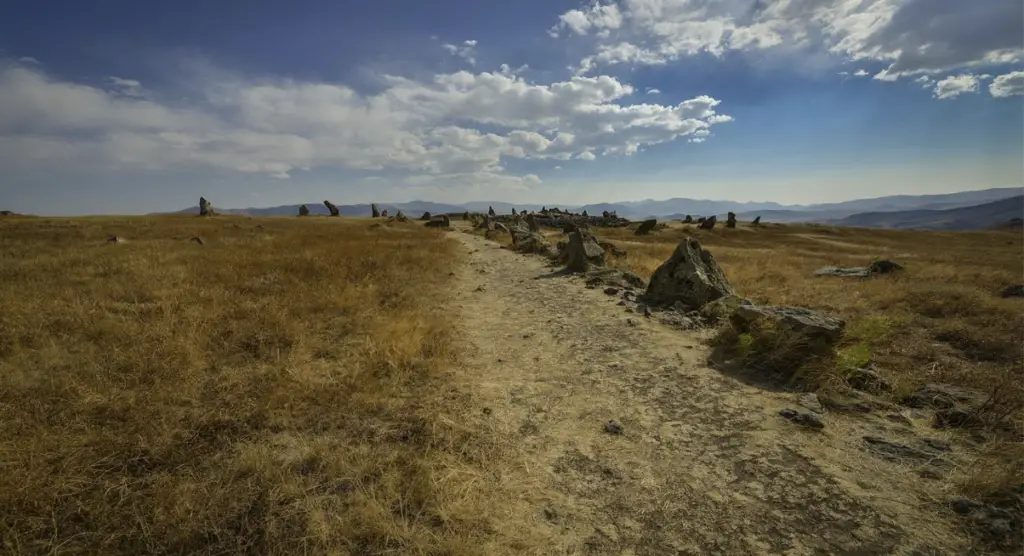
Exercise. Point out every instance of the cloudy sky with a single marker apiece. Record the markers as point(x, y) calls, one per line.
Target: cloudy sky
point(127, 106)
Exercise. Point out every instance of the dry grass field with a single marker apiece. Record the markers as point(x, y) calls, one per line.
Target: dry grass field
point(279, 389)
point(940, 320)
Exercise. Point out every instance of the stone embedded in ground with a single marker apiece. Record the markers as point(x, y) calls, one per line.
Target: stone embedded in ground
point(611, 291)
point(646, 227)
point(849, 272)
point(708, 223)
point(115, 239)
point(303, 210)
point(1013, 291)
point(810, 401)
point(691, 275)
point(957, 418)
point(332, 207)
point(894, 451)
point(810, 324)
point(426, 216)
point(884, 266)
point(756, 222)
point(998, 526)
point(867, 380)
point(530, 242)
point(802, 418)
point(205, 208)
point(198, 240)
point(613, 427)
point(374, 213)
point(730, 221)
point(442, 221)
point(499, 227)
point(942, 396)
point(688, 219)
point(582, 253)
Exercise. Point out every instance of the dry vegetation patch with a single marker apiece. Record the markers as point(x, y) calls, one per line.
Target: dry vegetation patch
point(277, 389)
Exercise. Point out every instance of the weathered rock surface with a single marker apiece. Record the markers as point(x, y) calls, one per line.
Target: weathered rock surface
point(877, 267)
point(526, 241)
point(303, 210)
point(708, 223)
point(942, 396)
point(1013, 291)
point(646, 227)
point(691, 276)
point(582, 253)
point(116, 239)
point(803, 418)
point(531, 223)
point(205, 208)
point(999, 525)
point(442, 221)
point(756, 222)
point(331, 207)
point(373, 210)
point(811, 324)
point(867, 379)
point(730, 221)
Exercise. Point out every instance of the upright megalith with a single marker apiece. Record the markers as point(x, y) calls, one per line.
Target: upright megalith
point(332, 207)
point(690, 276)
point(490, 211)
point(373, 210)
point(730, 221)
point(303, 210)
point(709, 223)
point(582, 253)
point(205, 207)
point(646, 227)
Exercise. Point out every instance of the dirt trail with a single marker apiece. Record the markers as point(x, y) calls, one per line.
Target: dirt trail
point(704, 464)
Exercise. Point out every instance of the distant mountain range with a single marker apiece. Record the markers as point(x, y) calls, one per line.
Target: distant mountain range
point(897, 211)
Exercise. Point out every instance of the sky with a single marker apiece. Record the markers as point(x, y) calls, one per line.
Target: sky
point(120, 106)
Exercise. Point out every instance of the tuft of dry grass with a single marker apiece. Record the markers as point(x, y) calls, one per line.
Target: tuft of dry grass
point(279, 389)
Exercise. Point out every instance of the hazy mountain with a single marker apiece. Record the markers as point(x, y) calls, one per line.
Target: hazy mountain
point(678, 207)
point(976, 217)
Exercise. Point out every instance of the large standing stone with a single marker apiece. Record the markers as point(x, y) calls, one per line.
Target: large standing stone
point(690, 276)
point(426, 216)
point(332, 207)
point(730, 221)
point(490, 211)
point(205, 208)
point(708, 223)
point(531, 222)
point(582, 253)
point(757, 221)
point(303, 210)
point(373, 210)
point(646, 227)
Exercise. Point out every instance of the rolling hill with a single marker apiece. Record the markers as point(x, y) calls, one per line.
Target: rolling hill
point(976, 217)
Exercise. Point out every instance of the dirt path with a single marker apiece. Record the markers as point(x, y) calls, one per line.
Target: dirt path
point(704, 464)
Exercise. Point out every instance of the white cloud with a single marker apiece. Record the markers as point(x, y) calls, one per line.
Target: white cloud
point(466, 50)
point(598, 17)
point(28, 60)
point(653, 91)
point(954, 86)
point(455, 128)
point(860, 73)
point(1007, 85)
point(914, 37)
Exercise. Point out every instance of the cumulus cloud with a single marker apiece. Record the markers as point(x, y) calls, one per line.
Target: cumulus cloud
point(653, 91)
point(954, 86)
point(860, 73)
point(454, 128)
point(1007, 85)
point(913, 37)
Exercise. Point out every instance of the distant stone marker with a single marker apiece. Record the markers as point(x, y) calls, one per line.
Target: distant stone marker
point(646, 227)
point(384, 213)
point(730, 221)
point(756, 222)
point(688, 219)
point(373, 210)
point(442, 221)
point(331, 207)
point(205, 208)
point(490, 211)
point(709, 223)
point(303, 210)
point(115, 239)
point(582, 253)
point(426, 216)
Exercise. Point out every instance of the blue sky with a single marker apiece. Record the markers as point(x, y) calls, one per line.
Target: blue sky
point(127, 107)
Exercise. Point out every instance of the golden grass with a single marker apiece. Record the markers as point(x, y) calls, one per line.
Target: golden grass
point(278, 390)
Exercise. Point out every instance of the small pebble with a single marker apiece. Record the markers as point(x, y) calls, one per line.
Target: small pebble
point(613, 427)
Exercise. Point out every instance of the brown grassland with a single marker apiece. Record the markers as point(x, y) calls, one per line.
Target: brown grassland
point(279, 389)
point(940, 320)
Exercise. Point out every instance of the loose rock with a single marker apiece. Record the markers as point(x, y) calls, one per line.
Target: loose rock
point(805, 419)
point(613, 427)
point(942, 396)
point(1013, 291)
